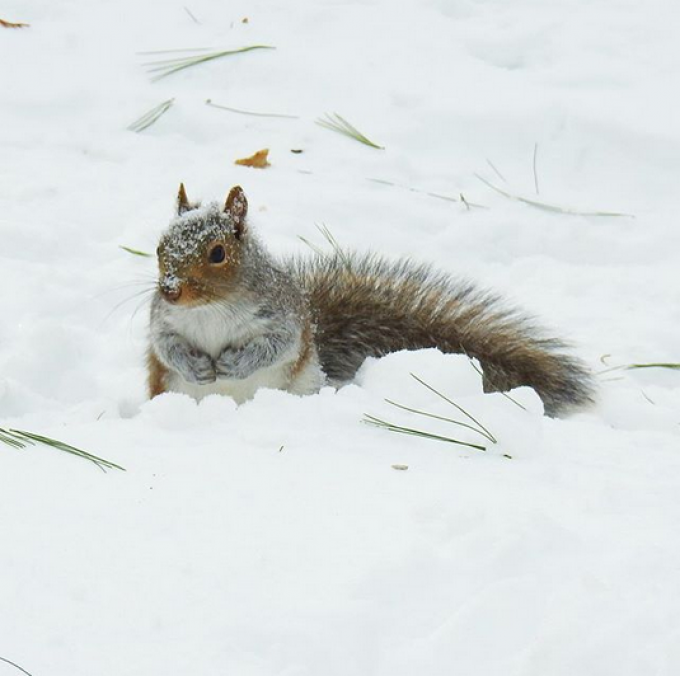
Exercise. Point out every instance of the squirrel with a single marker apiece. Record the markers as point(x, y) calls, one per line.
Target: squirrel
point(227, 317)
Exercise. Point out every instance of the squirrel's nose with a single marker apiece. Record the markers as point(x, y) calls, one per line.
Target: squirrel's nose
point(170, 293)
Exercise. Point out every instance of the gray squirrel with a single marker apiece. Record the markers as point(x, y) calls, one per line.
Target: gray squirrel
point(229, 318)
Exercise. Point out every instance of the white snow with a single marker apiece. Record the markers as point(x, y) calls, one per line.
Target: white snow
point(275, 538)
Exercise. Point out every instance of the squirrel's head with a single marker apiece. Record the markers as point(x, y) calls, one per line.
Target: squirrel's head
point(200, 252)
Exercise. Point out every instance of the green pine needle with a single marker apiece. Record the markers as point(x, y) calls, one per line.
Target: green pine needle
point(659, 365)
point(167, 67)
point(486, 432)
point(135, 252)
point(476, 427)
point(20, 439)
point(391, 427)
point(551, 207)
point(250, 112)
point(151, 116)
point(673, 366)
point(340, 125)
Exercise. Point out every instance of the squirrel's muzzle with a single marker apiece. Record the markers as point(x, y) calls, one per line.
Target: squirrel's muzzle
point(170, 292)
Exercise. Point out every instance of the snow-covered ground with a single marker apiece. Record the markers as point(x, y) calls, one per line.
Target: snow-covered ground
point(277, 538)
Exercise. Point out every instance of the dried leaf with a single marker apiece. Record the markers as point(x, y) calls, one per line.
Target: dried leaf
point(9, 24)
point(258, 160)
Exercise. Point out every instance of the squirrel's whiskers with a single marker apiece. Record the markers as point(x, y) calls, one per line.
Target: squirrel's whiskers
point(228, 318)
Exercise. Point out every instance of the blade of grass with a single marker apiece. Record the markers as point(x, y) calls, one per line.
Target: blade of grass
point(250, 112)
point(151, 116)
point(551, 207)
point(340, 125)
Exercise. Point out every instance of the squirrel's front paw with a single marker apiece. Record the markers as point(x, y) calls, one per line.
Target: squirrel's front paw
point(234, 365)
point(198, 368)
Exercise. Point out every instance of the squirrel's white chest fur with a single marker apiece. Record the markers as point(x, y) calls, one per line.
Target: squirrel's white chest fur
point(212, 328)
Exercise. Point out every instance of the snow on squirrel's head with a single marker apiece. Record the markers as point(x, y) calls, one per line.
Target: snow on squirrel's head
point(200, 251)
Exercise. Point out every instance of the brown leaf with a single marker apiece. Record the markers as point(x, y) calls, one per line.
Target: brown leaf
point(9, 24)
point(258, 160)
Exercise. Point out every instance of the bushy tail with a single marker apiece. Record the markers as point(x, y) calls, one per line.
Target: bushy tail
point(366, 306)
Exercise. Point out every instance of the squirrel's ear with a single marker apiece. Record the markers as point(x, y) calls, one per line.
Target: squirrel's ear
point(182, 200)
point(237, 207)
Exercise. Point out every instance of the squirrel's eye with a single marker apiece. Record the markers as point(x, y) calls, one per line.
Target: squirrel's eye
point(217, 254)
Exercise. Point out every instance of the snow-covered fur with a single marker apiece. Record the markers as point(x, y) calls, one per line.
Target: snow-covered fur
point(246, 321)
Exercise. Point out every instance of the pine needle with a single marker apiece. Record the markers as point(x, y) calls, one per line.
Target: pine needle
point(330, 238)
point(14, 664)
point(551, 207)
point(135, 252)
point(456, 406)
point(250, 112)
point(151, 116)
point(477, 427)
point(504, 394)
point(340, 125)
point(439, 417)
point(20, 439)
point(659, 365)
point(673, 366)
point(391, 427)
point(169, 66)
point(436, 195)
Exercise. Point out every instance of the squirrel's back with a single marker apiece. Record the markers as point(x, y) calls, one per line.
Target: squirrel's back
point(363, 305)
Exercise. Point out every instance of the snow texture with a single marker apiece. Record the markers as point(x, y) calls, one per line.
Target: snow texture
point(275, 538)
